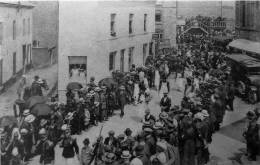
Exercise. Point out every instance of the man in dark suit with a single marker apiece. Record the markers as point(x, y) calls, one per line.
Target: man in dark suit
point(111, 142)
point(165, 103)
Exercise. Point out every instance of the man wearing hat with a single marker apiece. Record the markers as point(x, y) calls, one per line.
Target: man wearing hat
point(36, 89)
point(92, 84)
point(45, 148)
point(97, 104)
point(70, 148)
point(125, 158)
point(252, 136)
point(148, 117)
point(217, 111)
point(139, 157)
point(129, 139)
point(165, 103)
point(4, 140)
point(109, 158)
point(121, 99)
point(103, 103)
point(110, 141)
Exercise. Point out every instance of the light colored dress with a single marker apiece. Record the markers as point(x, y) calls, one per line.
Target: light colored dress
point(164, 89)
point(136, 92)
point(157, 79)
point(75, 74)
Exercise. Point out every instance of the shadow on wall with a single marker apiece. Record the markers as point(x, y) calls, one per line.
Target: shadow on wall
point(41, 57)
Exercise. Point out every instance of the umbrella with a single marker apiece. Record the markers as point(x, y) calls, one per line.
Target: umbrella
point(41, 110)
point(74, 85)
point(7, 121)
point(109, 81)
point(32, 101)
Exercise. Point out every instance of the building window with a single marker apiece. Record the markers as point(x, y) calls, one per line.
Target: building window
point(1, 32)
point(14, 30)
point(243, 13)
point(14, 63)
point(158, 16)
point(24, 27)
point(144, 52)
point(112, 57)
point(78, 68)
point(130, 57)
point(151, 48)
point(131, 17)
point(122, 60)
point(112, 25)
point(29, 26)
point(145, 22)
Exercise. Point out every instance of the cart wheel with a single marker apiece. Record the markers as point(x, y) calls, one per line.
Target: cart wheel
point(252, 97)
point(241, 88)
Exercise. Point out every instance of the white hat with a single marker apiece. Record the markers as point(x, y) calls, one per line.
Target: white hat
point(205, 113)
point(30, 118)
point(42, 131)
point(24, 131)
point(15, 151)
point(136, 161)
point(26, 112)
point(199, 115)
point(64, 127)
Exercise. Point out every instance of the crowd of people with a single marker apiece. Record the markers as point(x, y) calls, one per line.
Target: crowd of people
point(180, 135)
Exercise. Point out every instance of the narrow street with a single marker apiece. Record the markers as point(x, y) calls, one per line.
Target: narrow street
point(227, 145)
point(9, 96)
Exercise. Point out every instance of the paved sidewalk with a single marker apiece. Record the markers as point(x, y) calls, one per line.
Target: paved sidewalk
point(8, 97)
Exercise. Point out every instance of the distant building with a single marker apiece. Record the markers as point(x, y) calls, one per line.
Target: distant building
point(248, 20)
point(96, 38)
point(165, 23)
point(45, 32)
point(15, 39)
point(225, 9)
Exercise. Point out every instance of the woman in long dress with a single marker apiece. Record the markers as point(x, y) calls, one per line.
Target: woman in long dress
point(21, 86)
point(164, 87)
point(157, 79)
point(136, 92)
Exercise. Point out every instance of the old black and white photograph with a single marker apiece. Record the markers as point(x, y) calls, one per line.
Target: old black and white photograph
point(130, 82)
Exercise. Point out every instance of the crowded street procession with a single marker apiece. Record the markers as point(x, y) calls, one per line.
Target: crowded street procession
point(177, 131)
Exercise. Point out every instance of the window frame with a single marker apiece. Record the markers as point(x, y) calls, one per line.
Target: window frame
point(111, 66)
point(112, 24)
point(145, 22)
point(130, 24)
point(14, 30)
point(24, 27)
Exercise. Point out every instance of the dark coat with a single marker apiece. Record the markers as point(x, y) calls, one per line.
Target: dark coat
point(46, 150)
point(36, 89)
point(165, 104)
point(70, 147)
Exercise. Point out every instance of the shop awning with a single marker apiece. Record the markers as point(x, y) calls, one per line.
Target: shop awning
point(246, 45)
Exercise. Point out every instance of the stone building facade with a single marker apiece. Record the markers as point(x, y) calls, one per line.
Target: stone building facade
point(15, 39)
point(96, 38)
point(248, 20)
point(165, 22)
